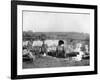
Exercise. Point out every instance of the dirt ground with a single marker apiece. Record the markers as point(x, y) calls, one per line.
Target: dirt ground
point(48, 61)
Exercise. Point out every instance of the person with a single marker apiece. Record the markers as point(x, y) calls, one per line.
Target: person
point(44, 49)
point(60, 49)
point(28, 55)
point(31, 56)
point(25, 51)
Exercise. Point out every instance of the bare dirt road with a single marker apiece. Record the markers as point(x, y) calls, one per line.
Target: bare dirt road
point(48, 61)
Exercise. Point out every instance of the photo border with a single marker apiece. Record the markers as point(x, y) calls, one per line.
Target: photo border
point(14, 38)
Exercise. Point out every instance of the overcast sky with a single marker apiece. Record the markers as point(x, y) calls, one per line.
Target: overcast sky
point(56, 22)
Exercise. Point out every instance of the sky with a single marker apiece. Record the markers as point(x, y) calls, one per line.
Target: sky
point(55, 22)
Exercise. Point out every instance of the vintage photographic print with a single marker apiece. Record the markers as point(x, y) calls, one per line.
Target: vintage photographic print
point(53, 39)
